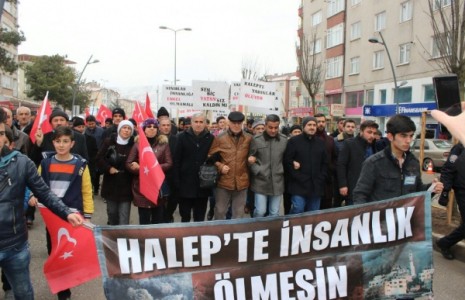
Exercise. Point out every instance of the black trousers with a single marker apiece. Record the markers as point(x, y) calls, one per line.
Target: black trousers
point(459, 233)
point(195, 206)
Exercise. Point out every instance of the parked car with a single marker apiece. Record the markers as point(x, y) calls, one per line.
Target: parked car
point(436, 152)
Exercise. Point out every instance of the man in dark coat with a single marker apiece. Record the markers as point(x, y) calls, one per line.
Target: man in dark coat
point(327, 200)
point(352, 154)
point(306, 163)
point(191, 152)
point(44, 142)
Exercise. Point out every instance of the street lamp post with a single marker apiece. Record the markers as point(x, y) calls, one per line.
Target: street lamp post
point(89, 62)
point(175, 34)
point(396, 87)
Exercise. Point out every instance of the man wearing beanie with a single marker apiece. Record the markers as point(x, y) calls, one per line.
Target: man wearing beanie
point(44, 142)
point(231, 149)
point(92, 148)
point(117, 115)
point(306, 164)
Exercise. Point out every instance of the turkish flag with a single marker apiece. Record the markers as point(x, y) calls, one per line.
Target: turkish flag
point(86, 111)
point(139, 114)
point(41, 121)
point(148, 109)
point(103, 113)
point(151, 175)
point(73, 260)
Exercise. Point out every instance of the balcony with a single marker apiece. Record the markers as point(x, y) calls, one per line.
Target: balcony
point(300, 12)
point(300, 32)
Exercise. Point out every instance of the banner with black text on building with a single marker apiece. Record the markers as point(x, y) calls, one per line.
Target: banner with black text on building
point(373, 251)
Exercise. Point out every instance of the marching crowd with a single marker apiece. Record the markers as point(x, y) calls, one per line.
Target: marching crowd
point(260, 166)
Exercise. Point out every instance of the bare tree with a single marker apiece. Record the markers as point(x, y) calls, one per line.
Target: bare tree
point(252, 69)
point(448, 22)
point(310, 66)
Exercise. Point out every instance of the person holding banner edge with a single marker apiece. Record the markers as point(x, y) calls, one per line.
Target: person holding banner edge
point(394, 171)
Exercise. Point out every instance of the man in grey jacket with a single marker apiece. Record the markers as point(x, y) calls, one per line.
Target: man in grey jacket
point(266, 168)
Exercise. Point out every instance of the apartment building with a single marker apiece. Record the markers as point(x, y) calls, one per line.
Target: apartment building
point(358, 72)
point(9, 82)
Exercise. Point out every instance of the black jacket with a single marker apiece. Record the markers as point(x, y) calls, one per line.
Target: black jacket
point(382, 178)
point(453, 171)
point(311, 153)
point(17, 172)
point(191, 152)
point(350, 160)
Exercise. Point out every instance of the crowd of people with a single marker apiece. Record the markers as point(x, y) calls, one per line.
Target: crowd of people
point(261, 164)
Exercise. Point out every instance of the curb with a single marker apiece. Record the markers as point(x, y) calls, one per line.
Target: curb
point(458, 249)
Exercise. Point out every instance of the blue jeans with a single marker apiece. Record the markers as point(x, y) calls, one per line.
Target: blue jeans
point(301, 204)
point(262, 202)
point(15, 263)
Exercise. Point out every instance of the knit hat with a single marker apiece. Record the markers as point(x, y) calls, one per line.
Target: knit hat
point(58, 113)
point(77, 121)
point(123, 123)
point(259, 122)
point(294, 127)
point(162, 112)
point(149, 121)
point(120, 111)
point(307, 119)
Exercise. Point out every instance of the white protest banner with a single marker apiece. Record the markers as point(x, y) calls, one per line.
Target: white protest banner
point(177, 96)
point(220, 113)
point(258, 93)
point(210, 95)
point(187, 112)
point(235, 93)
point(276, 108)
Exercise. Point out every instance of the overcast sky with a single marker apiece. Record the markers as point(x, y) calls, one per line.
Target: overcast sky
point(136, 56)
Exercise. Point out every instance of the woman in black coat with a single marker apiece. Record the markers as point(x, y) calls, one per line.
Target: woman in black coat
point(191, 152)
point(116, 185)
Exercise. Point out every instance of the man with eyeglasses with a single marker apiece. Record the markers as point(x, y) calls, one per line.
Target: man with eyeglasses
point(230, 150)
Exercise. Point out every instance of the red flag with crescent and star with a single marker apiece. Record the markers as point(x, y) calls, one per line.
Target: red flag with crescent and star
point(148, 109)
point(73, 260)
point(41, 121)
point(103, 113)
point(151, 175)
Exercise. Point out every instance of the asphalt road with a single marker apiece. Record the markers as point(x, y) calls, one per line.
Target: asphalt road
point(448, 277)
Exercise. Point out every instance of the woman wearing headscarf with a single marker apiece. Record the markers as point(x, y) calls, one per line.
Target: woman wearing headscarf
point(149, 212)
point(116, 185)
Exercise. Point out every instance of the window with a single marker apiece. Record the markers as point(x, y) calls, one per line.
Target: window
point(378, 60)
point(334, 67)
point(355, 31)
point(380, 21)
point(355, 2)
point(405, 11)
point(437, 4)
point(441, 45)
point(404, 95)
point(334, 36)
point(370, 97)
point(404, 53)
point(354, 99)
point(429, 93)
point(354, 65)
point(316, 18)
point(315, 46)
point(335, 6)
point(382, 96)
point(7, 82)
point(334, 99)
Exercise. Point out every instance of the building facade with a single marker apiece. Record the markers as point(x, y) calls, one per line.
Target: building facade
point(357, 67)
